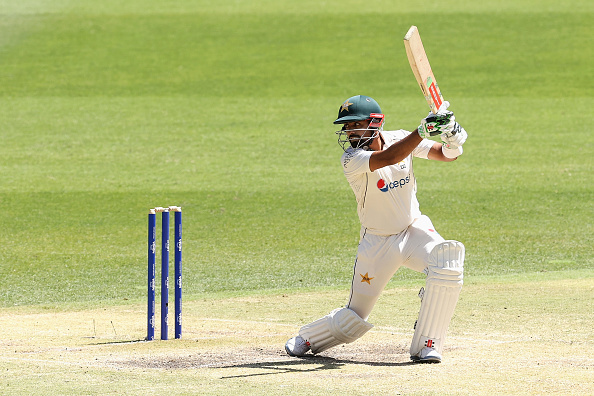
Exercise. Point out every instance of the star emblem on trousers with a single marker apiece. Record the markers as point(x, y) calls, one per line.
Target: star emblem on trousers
point(366, 278)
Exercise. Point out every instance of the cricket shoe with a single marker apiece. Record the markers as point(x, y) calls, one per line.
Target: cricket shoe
point(297, 346)
point(427, 355)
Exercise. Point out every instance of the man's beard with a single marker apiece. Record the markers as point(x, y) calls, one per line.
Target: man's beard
point(362, 143)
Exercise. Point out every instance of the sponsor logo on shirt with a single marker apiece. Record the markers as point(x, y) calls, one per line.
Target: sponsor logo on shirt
point(384, 187)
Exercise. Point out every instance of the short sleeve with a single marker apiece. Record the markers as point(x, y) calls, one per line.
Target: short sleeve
point(355, 162)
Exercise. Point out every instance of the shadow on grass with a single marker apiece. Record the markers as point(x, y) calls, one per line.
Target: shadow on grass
point(300, 365)
point(117, 342)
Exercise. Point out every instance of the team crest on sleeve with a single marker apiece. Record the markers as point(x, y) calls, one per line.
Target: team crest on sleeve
point(347, 158)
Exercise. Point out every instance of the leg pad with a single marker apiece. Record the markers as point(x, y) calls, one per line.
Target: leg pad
point(341, 326)
point(444, 282)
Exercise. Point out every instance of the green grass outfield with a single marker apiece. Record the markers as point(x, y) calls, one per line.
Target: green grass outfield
point(225, 108)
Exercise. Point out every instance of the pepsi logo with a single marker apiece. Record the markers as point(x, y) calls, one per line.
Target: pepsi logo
point(381, 184)
point(384, 187)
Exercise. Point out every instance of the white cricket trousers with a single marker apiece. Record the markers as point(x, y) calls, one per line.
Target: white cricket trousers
point(380, 256)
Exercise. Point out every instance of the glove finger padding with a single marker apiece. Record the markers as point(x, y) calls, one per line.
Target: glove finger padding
point(455, 138)
point(436, 124)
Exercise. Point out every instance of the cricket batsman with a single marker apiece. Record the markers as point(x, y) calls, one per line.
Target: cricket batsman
point(378, 166)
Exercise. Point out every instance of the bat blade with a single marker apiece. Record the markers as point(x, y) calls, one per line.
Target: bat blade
point(422, 69)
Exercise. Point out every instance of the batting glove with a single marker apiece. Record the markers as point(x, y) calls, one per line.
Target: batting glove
point(455, 138)
point(436, 124)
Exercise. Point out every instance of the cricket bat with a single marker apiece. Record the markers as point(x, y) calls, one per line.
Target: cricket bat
point(422, 69)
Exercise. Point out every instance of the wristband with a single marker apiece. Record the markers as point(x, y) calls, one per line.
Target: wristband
point(451, 152)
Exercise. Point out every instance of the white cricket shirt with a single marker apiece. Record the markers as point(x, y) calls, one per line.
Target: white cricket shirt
point(386, 198)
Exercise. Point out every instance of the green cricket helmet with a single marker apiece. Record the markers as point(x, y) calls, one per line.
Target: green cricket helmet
point(359, 108)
